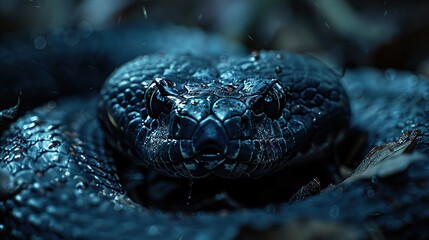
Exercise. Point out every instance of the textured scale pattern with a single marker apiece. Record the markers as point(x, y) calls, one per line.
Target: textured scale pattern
point(58, 180)
point(52, 161)
point(221, 95)
point(383, 116)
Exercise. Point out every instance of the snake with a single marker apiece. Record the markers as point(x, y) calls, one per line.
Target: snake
point(184, 113)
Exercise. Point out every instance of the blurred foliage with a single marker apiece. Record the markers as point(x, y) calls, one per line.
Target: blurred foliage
point(350, 33)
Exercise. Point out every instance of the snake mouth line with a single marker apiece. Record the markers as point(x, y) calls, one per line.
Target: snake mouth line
point(209, 157)
point(245, 151)
point(210, 152)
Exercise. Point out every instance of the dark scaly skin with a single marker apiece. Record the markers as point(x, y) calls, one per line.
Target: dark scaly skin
point(383, 105)
point(222, 95)
point(41, 200)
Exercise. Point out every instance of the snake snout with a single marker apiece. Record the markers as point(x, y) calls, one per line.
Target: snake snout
point(210, 140)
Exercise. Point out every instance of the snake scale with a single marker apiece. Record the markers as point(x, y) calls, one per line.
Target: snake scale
point(191, 113)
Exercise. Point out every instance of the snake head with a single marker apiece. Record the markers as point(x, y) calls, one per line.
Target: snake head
point(231, 117)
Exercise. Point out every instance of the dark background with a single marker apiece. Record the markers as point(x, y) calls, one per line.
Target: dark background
point(346, 33)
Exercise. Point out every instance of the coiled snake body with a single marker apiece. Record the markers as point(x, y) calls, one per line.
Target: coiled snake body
point(193, 116)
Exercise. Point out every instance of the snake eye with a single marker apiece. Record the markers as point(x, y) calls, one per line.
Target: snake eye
point(274, 101)
point(154, 101)
point(258, 105)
